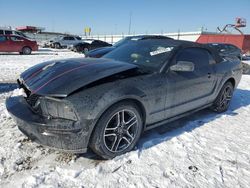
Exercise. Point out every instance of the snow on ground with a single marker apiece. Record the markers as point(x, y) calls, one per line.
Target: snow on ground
point(203, 150)
point(12, 64)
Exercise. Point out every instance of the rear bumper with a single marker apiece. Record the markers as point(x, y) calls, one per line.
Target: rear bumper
point(56, 133)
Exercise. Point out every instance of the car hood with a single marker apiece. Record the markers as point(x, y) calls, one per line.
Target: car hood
point(62, 77)
point(100, 51)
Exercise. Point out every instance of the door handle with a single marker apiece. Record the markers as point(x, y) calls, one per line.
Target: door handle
point(209, 75)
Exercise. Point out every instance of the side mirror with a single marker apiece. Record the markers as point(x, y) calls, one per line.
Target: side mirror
point(183, 66)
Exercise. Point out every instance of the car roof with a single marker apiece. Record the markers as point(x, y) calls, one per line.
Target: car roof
point(143, 37)
point(188, 44)
point(11, 35)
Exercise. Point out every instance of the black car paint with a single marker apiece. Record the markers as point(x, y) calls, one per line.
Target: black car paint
point(99, 52)
point(159, 95)
point(53, 78)
point(95, 44)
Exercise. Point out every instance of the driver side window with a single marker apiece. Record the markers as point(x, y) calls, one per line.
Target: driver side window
point(198, 56)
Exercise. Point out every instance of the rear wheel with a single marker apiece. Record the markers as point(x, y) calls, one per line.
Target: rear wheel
point(117, 131)
point(222, 102)
point(57, 45)
point(26, 50)
point(85, 50)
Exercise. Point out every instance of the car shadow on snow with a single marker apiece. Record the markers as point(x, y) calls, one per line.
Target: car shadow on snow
point(170, 130)
point(6, 87)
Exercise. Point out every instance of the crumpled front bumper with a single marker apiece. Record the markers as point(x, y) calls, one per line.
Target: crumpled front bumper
point(56, 133)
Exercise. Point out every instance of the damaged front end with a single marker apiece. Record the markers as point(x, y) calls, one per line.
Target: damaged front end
point(48, 121)
point(45, 112)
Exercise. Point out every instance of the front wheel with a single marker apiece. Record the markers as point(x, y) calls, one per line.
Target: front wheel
point(26, 51)
point(117, 131)
point(222, 101)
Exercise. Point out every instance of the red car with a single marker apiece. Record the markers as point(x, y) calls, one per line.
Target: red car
point(14, 43)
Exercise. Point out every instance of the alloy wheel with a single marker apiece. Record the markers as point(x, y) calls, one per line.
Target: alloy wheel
point(225, 98)
point(120, 131)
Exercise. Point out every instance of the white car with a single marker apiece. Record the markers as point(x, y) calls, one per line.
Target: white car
point(65, 41)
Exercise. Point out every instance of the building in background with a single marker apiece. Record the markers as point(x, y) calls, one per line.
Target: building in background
point(38, 33)
point(240, 40)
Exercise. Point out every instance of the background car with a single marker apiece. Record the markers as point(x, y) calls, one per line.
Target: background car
point(14, 43)
point(12, 32)
point(106, 103)
point(89, 44)
point(99, 52)
point(225, 49)
point(64, 41)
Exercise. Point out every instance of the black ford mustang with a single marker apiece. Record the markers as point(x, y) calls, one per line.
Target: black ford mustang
point(106, 103)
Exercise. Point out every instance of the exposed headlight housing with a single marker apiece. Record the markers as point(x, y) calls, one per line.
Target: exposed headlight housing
point(56, 108)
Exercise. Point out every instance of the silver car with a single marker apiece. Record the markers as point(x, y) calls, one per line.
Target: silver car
point(65, 41)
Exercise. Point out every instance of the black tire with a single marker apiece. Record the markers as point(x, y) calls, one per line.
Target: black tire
point(85, 49)
point(110, 137)
point(222, 101)
point(26, 50)
point(57, 45)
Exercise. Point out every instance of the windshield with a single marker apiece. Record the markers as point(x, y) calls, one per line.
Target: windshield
point(150, 54)
point(120, 42)
point(21, 34)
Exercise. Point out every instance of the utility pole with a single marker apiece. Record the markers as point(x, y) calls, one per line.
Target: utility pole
point(130, 18)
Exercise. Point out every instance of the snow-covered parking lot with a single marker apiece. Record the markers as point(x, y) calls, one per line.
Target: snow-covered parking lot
point(203, 150)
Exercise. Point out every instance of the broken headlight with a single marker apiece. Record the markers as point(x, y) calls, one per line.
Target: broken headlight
point(56, 108)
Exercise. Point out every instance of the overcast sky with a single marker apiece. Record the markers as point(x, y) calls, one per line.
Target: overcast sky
point(112, 16)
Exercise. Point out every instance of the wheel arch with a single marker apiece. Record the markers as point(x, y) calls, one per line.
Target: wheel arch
point(128, 99)
point(139, 105)
point(232, 80)
point(132, 100)
point(26, 46)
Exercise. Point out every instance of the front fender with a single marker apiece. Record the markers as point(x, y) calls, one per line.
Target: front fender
point(95, 101)
point(91, 103)
point(114, 96)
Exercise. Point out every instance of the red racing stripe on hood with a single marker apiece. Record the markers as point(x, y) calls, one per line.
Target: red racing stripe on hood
point(33, 75)
point(59, 75)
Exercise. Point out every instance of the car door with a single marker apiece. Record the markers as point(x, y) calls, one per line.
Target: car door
point(17, 43)
point(67, 41)
point(71, 40)
point(4, 44)
point(192, 89)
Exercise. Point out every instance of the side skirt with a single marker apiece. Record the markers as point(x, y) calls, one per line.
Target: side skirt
point(151, 126)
